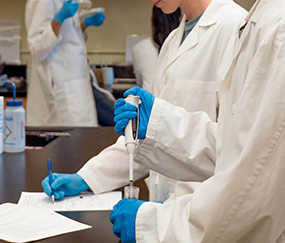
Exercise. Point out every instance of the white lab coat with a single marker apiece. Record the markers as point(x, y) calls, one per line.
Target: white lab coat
point(145, 54)
point(59, 92)
point(184, 73)
point(187, 73)
point(244, 201)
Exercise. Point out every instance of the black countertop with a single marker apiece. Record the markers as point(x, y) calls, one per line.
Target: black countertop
point(25, 171)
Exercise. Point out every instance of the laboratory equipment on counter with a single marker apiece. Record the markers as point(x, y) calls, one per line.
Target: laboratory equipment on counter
point(131, 136)
point(131, 192)
point(14, 124)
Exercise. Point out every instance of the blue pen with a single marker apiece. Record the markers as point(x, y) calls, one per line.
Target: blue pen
point(50, 176)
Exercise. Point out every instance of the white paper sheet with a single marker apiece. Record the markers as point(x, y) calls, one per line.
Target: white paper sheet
point(83, 202)
point(33, 223)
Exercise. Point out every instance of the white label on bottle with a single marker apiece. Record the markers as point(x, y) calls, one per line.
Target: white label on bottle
point(14, 137)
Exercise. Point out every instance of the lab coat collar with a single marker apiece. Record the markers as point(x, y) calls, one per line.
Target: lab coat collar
point(210, 17)
point(174, 44)
point(255, 16)
point(212, 14)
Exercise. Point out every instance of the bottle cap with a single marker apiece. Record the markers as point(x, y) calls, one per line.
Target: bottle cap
point(14, 103)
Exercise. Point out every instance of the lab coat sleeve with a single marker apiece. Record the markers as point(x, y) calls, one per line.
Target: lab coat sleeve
point(41, 37)
point(110, 169)
point(242, 204)
point(245, 202)
point(178, 144)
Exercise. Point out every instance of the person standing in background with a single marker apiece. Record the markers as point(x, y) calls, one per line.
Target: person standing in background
point(59, 92)
point(145, 52)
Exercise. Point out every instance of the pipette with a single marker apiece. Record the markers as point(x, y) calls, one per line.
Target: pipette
point(131, 136)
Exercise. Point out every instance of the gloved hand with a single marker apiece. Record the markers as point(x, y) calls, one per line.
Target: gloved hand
point(124, 111)
point(95, 20)
point(68, 9)
point(64, 185)
point(123, 218)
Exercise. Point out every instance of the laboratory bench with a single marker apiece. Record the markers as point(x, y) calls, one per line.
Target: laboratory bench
point(68, 149)
point(123, 79)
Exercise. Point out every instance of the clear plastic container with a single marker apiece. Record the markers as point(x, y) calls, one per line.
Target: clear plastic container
point(131, 192)
point(14, 127)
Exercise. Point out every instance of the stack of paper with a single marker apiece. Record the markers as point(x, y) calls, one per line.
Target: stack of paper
point(34, 217)
point(33, 223)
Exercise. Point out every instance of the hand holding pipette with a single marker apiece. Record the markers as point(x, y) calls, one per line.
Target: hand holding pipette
point(125, 112)
point(126, 119)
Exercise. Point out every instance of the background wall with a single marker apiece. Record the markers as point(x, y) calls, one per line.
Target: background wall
point(245, 3)
point(107, 42)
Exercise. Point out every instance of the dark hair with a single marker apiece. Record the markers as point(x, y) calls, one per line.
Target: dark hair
point(163, 24)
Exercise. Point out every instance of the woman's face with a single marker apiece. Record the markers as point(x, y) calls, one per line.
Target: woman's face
point(167, 6)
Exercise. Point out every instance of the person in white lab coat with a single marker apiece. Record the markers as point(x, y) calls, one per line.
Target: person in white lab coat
point(60, 91)
point(186, 70)
point(145, 52)
point(243, 202)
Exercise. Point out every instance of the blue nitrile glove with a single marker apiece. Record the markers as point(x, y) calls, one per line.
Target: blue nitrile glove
point(64, 185)
point(124, 111)
point(123, 218)
point(95, 20)
point(68, 9)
